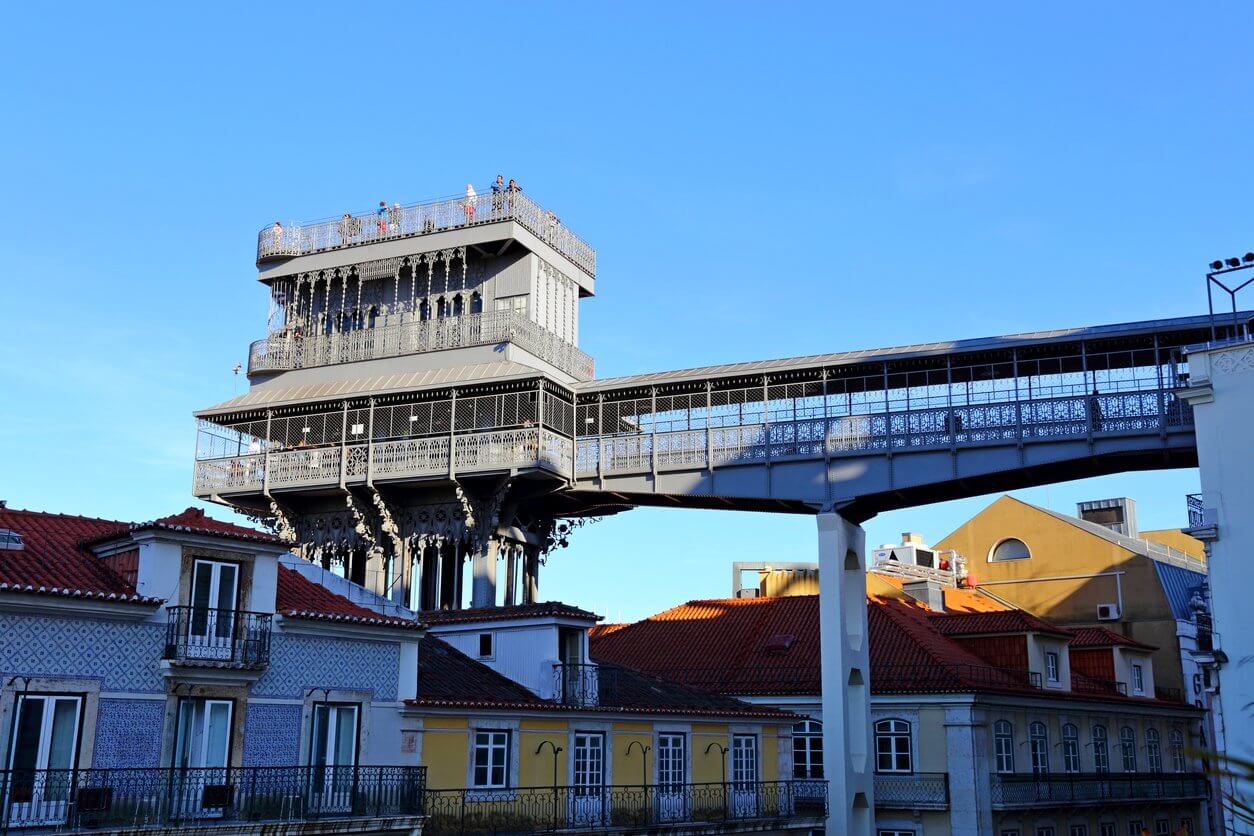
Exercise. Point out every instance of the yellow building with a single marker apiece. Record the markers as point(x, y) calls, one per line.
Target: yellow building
point(1094, 569)
point(588, 745)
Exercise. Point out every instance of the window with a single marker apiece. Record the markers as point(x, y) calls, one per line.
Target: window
point(1004, 746)
point(485, 645)
point(512, 303)
point(45, 735)
point(1135, 826)
point(335, 734)
point(1079, 830)
point(1044, 830)
point(1038, 743)
point(1186, 824)
point(1138, 679)
point(671, 758)
point(1010, 831)
point(213, 602)
point(1070, 748)
point(1101, 750)
point(1009, 549)
point(892, 746)
point(203, 736)
point(744, 760)
point(1127, 745)
point(1051, 667)
point(894, 832)
point(807, 749)
point(589, 767)
point(1162, 827)
point(1153, 751)
point(1107, 828)
point(1178, 762)
point(490, 758)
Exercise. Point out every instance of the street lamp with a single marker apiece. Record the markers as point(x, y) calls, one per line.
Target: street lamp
point(1222, 267)
point(644, 761)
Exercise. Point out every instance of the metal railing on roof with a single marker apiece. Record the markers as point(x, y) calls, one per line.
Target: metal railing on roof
point(913, 791)
point(351, 230)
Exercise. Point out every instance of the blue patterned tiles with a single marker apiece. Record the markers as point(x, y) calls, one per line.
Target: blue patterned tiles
point(123, 656)
point(298, 663)
point(128, 733)
point(272, 735)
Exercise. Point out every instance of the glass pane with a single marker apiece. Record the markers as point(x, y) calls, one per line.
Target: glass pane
point(321, 714)
point(226, 586)
point(218, 734)
point(64, 734)
point(345, 735)
point(201, 596)
point(186, 732)
point(29, 725)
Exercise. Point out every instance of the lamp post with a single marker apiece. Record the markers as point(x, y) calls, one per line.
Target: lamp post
point(644, 761)
point(556, 749)
point(1223, 267)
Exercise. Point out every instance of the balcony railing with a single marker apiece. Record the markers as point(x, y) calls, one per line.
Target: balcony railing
point(386, 460)
point(916, 791)
point(575, 684)
point(950, 677)
point(233, 638)
point(630, 808)
point(1094, 685)
point(424, 219)
point(1027, 790)
point(1197, 510)
point(87, 799)
point(292, 350)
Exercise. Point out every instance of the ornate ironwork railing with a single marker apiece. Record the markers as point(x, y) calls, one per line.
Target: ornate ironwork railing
point(291, 349)
point(201, 635)
point(403, 458)
point(916, 791)
point(1027, 790)
point(575, 684)
point(85, 799)
point(752, 443)
point(1092, 684)
point(1197, 511)
point(600, 809)
point(425, 218)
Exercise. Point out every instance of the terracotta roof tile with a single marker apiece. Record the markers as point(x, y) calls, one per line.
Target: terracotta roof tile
point(299, 597)
point(988, 623)
point(1086, 637)
point(546, 609)
point(195, 521)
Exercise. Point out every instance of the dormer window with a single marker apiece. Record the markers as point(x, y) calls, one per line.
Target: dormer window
point(1138, 679)
point(1052, 668)
point(485, 646)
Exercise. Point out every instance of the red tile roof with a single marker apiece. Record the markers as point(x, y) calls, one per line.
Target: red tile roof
point(299, 597)
point(195, 521)
point(991, 623)
point(545, 609)
point(1086, 637)
point(53, 562)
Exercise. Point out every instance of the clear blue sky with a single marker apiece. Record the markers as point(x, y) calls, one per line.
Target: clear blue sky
point(759, 180)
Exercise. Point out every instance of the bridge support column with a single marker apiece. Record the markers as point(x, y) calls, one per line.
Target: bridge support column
point(846, 676)
point(483, 569)
point(966, 748)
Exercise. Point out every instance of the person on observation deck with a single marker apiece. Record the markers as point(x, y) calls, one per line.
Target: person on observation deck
point(469, 205)
point(394, 219)
point(498, 193)
point(276, 234)
point(381, 215)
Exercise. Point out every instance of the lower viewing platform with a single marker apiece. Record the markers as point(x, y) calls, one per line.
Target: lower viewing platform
point(1027, 790)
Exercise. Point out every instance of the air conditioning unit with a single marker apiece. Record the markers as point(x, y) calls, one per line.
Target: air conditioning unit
point(749, 592)
point(1107, 612)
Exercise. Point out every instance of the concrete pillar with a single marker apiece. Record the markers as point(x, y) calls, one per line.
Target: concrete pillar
point(967, 754)
point(483, 569)
point(846, 676)
point(511, 561)
point(531, 575)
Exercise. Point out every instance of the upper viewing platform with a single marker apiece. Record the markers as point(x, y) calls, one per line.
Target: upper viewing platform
point(280, 241)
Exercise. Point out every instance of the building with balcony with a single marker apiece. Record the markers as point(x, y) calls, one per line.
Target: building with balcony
point(985, 719)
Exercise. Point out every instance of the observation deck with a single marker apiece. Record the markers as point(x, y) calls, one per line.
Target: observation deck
point(428, 218)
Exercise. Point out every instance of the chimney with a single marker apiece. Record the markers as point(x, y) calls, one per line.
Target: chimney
point(1119, 514)
point(911, 538)
point(928, 592)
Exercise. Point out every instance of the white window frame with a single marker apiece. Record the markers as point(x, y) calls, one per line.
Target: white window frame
point(1078, 830)
point(1070, 748)
point(1107, 828)
point(1179, 762)
point(1053, 667)
point(184, 757)
point(1038, 747)
point(744, 761)
point(1044, 830)
point(1153, 751)
point(1135, 826)
point(672, 760)
point(46, 721)
point(1162, 827)
point(1004, 747)
point(1138, 678)
point(588, 763)
point(491, 743)
point(1127, 748)
point(810, 734)
point(1100, 738)
point(894, 731)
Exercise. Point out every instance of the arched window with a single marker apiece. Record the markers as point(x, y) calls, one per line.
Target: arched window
point(1101, 750)
point(1009, 549)
point(807, 749)
point(458, 305)
point(1004, 746)
point(1178, 763)
point(1038, 744)
point(1070, 748)
point(441, 308)
point(424, 310)
point(1127, 744)
point(892, 746)
point(1153, 751)
point(476, 303)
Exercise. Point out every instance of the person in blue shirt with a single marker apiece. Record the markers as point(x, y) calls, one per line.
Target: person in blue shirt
point(381, 213)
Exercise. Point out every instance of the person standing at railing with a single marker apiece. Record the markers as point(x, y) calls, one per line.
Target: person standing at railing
point(346, 229)
point(381, 219)
point(498, 194)
point(469, 205)
point(394, 219)
point(276, 236)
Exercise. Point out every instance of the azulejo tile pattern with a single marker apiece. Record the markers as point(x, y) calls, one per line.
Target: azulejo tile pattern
point(272, 735)
point(123, 656)
point(298, 663)
point(128, 733)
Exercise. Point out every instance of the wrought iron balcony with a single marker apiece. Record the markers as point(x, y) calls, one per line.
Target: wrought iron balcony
point(88, 799)
point(290, 349)
point(1028, 790)
point(1197, 511)
point(575, 684)
point(1091, 684)
point(438, 456)
point(916, 791)
point(425, 219)
point(225, 638)
point(626, 808)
